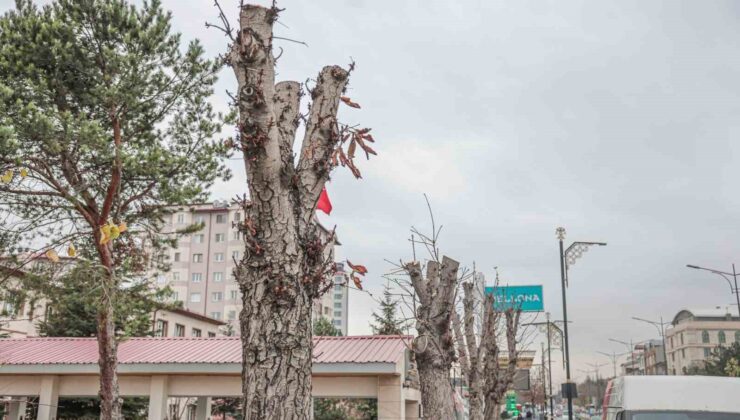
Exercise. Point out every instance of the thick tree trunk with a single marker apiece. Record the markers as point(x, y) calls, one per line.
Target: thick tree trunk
point(276, 337)
point(434, 347)
point(285, 265)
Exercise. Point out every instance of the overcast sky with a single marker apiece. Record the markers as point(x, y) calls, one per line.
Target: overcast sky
point(615, 119)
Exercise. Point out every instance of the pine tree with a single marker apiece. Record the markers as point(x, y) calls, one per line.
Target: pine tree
point(104, 123)
point(324, 327)
point(387, 323)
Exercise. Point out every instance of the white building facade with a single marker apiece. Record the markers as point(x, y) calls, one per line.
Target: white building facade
point(340, 300)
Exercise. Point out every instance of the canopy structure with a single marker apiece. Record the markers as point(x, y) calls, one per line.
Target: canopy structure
point(160, 368)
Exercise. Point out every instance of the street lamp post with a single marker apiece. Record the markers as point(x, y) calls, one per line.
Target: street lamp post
point(661, 330)
point(734, 290)
point(568, 257)
point(614, 355)
point(550, 327)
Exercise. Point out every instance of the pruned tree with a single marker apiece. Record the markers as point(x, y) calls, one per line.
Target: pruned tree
point(104, 123)
point(434, 346)
point(487, 380)
point(286, 264)
point(498, 379)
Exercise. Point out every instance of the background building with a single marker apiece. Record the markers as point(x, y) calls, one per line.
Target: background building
point(340, 300)
point(694, 333)
point(202, 264)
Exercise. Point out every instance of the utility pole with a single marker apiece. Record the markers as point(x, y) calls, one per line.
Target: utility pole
point(660, 326)
point(614, 357)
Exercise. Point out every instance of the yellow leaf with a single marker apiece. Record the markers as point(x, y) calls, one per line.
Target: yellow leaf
point(122, 227)
point(24, 173)
point(72, 251)
point(7, 177)
point(104, 234)
point(52, 255)
point(114, 232)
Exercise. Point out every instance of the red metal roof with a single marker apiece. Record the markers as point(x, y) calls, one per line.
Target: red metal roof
point(51, 350)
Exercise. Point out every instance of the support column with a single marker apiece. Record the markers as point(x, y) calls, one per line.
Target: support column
point(391, 404)
point(203, 409)
point(158, 394)
point(48, 398)
point(17, 408)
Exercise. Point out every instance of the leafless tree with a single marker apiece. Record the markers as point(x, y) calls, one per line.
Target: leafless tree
point(285, 264)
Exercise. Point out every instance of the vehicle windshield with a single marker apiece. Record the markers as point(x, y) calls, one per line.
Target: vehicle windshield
point(680, 415)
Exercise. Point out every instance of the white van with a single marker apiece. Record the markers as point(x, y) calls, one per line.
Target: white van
point(672, 398)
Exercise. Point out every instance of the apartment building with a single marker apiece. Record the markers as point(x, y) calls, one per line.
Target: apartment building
point(202, 264)
point(695, 333)
point(340, 300)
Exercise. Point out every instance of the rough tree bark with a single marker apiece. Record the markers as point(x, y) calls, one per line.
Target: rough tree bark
point(434, 346)
point(499, 379)
point(284, 267)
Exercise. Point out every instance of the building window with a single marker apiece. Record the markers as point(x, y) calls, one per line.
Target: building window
point(337, 304)
point(175, 276)
point(161, 279)
point(236, 235)
point(338, 296)
point(337, 323)
point(705, 337)
point(196, 277)
point(234, 295)
point(707, 352)
point(179, 330)
point(337, 313)
point(175, 296)
point(195, 333)
point(671, 342)
point(722, 338)
point(217, 296)
point(237, 217)
point(218, 257)
point(180, 219)
point(737, 336)
point(220, 218)
point(232, 315)
point(218, 276)
point(195, 297)
point(673, 357)
point(235, 255)
point(216, 315)
point(683, 353)
point(199, 238)
point(682, 339)
point(161, 329)
point(200, 219)
point(211, 334)
point(176, 257)
point(220, 237)
point(327, 311)
point(197, 258)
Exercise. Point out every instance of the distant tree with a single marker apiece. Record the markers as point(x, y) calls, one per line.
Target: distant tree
point(724, 361)
point(324, 327)
point(104, 124)
point(387, 323)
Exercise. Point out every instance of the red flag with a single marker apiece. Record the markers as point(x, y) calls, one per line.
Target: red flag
point(324, 204)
